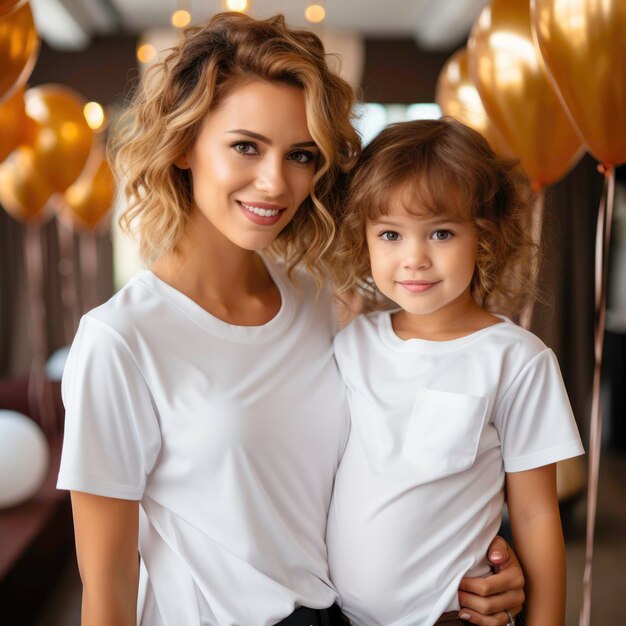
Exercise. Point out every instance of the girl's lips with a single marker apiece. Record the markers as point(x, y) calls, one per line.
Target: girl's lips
point(418, 286)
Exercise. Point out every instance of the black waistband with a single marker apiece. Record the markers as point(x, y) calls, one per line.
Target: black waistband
point(304, 616)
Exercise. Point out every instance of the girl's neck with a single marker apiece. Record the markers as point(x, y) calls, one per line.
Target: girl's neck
point(457, 319)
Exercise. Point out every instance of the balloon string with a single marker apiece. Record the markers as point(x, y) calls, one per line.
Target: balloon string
point(603, 237)
point(69, 294)
point(39, 392)
point(536, 229)
point(89, 269)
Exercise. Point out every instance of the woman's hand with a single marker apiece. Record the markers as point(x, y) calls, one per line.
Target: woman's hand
point(485, 601)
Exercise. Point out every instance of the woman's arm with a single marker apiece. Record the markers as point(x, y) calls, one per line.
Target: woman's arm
point(536, 525)
point(484, 600)
point(106, 546)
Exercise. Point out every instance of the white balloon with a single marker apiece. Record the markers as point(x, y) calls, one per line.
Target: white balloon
point(24, 458)
point(56, 363)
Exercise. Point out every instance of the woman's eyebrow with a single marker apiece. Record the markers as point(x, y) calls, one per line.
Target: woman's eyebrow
point(267, 140)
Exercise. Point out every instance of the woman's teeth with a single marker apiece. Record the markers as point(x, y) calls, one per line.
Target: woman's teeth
point(261, 212)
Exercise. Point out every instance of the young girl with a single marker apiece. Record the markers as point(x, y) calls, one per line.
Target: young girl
point(450, 401)
point(205, 416)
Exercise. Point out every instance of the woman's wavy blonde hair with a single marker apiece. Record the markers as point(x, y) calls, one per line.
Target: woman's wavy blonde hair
point(445, 168)
point(176, 95)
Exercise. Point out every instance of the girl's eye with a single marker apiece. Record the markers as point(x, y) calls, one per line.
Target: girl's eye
point(245, 147)
point(390, 235)
point(442, 235)
point(301, 156)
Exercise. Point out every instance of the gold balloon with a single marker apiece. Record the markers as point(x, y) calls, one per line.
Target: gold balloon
point(19, 47)
point(518, 97)
point(61, 135)
point(89, 199)
point(458, 97)
point(12, 122)
point(24, 193)
point(583, 45)
point(8, 5)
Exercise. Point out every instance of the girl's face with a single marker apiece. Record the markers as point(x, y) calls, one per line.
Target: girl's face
point(252, 164)
point(424, 263)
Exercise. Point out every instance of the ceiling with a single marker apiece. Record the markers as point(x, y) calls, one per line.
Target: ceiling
point(435, 24)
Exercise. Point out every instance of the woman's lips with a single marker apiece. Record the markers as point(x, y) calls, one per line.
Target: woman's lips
point(261, 213)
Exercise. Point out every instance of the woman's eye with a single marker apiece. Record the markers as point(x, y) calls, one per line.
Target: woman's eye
point(245, 147)
point(390, 235)
point(301, 156)
point(442, 235)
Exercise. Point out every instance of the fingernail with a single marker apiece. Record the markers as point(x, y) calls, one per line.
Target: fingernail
point(465, 616)
point(496, 556)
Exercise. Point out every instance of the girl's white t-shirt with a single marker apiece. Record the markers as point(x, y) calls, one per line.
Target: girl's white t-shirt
point(434, 427)
point(228, 436)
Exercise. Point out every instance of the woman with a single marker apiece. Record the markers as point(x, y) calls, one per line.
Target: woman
point(205, 415)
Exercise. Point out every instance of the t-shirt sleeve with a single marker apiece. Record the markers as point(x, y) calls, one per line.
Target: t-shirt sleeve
point(112, 435)
point(535, 419)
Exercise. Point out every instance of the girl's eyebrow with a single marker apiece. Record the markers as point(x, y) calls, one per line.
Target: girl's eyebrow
point(383, 222)
point(432, 221)
point(267, 140)
point(446, 220)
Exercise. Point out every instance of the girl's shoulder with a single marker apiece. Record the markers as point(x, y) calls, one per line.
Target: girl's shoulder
point(361, 333)
point(511, 335)
point(363, 323)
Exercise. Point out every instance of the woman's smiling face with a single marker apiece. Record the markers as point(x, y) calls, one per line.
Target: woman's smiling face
point(253, 162)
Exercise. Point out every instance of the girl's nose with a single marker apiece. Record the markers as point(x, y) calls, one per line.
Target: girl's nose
point(417, 258)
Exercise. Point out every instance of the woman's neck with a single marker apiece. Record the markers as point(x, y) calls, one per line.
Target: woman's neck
point(229, 282)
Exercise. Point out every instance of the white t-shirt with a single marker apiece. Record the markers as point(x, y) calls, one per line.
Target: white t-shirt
point(419, 492)
point(229, 437)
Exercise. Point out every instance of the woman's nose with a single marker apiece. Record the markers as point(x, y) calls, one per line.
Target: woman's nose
point(271, 178)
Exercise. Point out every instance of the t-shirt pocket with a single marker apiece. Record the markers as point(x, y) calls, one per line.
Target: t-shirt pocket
point(444, 431)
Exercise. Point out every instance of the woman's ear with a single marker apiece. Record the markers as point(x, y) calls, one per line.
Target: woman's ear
point(181, 162)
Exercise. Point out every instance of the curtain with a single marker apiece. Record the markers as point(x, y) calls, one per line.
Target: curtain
point(15, 351)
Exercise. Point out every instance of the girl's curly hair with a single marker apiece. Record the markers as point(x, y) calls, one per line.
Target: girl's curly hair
point(175, 96)
point(446, 168)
